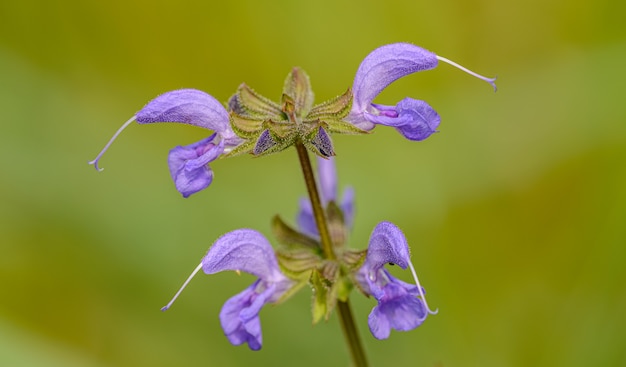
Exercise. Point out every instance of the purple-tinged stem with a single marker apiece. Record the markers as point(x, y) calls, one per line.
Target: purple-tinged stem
point(343, 308)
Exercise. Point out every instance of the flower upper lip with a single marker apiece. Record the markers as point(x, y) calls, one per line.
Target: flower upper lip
point(188, 106)
point(244, 250)
point(385, 65)
point(414, 119)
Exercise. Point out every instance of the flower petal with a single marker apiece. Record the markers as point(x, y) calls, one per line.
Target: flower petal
point(347, 206)
point(306, 220)
point(188, 106)
point(404, 313)
point(385, 65)
point(327, 174)
point(229, 316)
point(398, 304)
point(241, 329)
point(378, 323)
point(414, 119)
point(398, 309)
point(189, 165)
point(244, 250)
point(387, 244)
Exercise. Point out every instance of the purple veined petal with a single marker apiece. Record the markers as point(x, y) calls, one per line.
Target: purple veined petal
point(387, 244)
point(385, 65)
point(258, 301)
point(415, 119)
point(187, 106)
point(206, 153)
point(398, 310)
point(306, 220)
point(327, 174)
point(240, 315)
point(379, 324)
point(189, 165)
point(231, 140)
point(246, 333)
point(244, 250)
point(411, 289)
point(236, 330)
point(229, 315)
point(327, 177)
point(347, 206)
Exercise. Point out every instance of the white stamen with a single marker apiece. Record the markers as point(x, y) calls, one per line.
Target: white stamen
point(95, 161)
point(419, 289)
point(167, 307)
point(491, 81)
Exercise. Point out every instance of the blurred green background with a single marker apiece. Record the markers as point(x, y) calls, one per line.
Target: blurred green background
point(515, 211)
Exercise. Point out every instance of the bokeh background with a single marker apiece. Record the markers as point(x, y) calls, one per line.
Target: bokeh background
point(515, 211)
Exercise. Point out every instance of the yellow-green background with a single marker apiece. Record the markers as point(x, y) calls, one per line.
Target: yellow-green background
point(515, 211)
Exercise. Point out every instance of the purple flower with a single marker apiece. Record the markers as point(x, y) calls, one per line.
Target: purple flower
point(327, 175)
point(414, 119)
point(398, 306)
point(188, 164)
point(248, 251)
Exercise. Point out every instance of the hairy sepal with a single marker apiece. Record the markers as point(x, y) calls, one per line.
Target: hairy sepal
point(254, 104)
point(298, 88)
point(291, 238)
point(336, 108)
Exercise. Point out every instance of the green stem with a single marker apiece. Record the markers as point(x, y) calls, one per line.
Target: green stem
point(345, 313)
point(351, 333)
point(316, 202)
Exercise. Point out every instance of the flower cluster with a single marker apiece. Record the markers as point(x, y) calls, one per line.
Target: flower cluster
point(251, 123)
point(401, 306)
point(315, 251)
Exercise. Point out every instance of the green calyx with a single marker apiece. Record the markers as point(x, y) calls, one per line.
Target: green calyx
point(302, 259)
point(268, 127)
